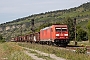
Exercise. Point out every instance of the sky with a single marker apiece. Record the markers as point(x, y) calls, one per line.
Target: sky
point(14, 9)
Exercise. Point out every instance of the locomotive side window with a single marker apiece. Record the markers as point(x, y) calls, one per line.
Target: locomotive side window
point(64, 29)
point(58, 29)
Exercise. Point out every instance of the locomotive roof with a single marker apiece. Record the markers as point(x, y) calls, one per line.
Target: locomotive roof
point(46, 28)
point(60, 25)
point(54, 26)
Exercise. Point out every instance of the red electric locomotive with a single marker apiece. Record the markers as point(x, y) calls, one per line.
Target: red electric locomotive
point(57, 34)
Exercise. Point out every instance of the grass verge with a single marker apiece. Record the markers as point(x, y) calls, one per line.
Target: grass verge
point(58, 52)
point(11, 51)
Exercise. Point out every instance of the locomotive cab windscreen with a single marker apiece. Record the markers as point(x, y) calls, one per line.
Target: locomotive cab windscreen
point(64, 29)
point(58, 29)
point(61, 29)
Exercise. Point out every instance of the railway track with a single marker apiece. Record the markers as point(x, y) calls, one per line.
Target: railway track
point(88, 49)
point(74, 48)
point(70, 47)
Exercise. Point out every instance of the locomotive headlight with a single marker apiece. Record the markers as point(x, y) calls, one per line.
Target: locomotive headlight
point(57, 34)
point(65, 34)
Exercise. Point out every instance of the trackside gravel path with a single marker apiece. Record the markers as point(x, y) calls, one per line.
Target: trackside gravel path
point(54, 57)
point(33, 56)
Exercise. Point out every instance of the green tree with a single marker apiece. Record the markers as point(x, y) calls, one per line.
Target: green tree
point(88, 26)
point(81, 35)
point(1, 39)
point(70, 24)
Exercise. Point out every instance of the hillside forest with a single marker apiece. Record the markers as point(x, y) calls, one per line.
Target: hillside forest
point(22, 26)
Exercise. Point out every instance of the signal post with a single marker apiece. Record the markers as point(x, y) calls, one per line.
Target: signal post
point(75, 31)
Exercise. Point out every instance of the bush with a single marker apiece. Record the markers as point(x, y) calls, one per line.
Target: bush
point(81, 50)
point(81, 35)
point(2, 40)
